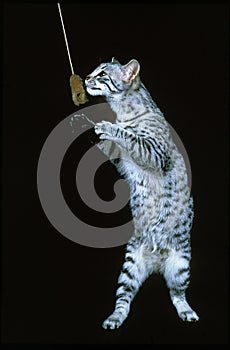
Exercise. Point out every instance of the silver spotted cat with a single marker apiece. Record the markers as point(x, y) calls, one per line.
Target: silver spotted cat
point(160, 200)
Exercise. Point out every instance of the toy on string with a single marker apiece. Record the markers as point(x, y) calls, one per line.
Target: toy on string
point(76, 84)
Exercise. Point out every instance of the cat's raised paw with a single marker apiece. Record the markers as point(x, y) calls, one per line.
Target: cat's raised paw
point(104, 130)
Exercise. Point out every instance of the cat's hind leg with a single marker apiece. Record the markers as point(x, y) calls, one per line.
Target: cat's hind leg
point(177, 278)
point(134, 273)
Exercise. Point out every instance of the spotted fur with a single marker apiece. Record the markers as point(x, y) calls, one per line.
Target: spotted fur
point(160, 200)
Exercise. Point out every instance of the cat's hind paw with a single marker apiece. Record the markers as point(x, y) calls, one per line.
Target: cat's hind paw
point(189, 316)
point(112, 322)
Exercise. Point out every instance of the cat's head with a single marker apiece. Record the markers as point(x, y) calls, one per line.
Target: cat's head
point(113, 78)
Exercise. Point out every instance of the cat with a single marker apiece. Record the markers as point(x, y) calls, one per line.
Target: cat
point(162, 207)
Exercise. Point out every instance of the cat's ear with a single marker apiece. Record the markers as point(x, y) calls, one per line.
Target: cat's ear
point(131, 70)
point(114, 60)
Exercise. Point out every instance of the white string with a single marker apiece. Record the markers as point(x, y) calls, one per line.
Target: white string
point(66, 42)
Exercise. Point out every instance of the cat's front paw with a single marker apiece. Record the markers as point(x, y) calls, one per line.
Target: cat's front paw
point(104, 130)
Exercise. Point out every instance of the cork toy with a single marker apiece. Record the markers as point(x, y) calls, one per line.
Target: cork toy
point(77, 89)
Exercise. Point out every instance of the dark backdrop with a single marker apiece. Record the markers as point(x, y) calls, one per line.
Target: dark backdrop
point(54, 290)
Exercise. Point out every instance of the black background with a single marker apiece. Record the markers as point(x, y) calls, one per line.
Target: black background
point(54, 290)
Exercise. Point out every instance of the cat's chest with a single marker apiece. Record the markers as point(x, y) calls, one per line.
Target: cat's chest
point(130, 170)
point(138, 178)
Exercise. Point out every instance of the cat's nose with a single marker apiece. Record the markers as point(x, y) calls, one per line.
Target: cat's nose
point(88, 77)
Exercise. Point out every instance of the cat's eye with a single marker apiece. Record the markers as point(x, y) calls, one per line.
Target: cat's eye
point(101, 74)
